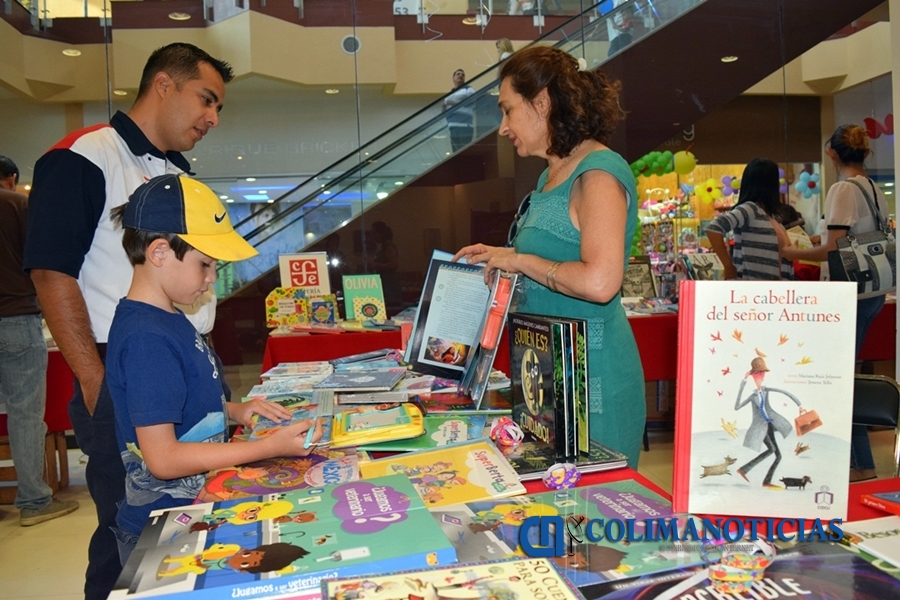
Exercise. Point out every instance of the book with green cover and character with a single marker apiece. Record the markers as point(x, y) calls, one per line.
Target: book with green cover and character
point(283, 544)
point(532, 375)
point(440, 430)
point(492, 529)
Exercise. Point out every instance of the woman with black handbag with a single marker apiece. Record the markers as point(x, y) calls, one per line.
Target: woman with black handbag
point(849, 212)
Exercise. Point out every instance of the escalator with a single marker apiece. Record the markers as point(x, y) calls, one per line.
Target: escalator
point(672, 75)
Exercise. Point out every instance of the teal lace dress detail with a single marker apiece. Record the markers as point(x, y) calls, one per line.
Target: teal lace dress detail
point(616, 385)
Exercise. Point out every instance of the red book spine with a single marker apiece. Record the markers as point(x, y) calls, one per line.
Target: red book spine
point(683, 397)
point(880, 503)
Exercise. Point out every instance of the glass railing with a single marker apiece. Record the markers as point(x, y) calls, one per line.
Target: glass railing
point(354, 184)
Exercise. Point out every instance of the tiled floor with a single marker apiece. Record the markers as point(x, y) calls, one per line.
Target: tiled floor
point(48, 560)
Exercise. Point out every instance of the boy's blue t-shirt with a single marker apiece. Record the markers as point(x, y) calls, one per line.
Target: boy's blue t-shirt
point(159, 370)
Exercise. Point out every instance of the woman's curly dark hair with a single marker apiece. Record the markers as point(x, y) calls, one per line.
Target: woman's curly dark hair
point(583, 104)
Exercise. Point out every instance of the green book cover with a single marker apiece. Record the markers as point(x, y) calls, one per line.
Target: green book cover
point(364, 297)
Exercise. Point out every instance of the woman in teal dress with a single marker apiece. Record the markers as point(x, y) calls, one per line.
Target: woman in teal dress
point(572, 235)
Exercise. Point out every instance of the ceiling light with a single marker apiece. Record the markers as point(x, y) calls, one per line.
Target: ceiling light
point(889, 184)
point(398, 183)
point(27, 186)
point(229, 200)
point(270, 201)
point(179, 16)
point(326, 192)
point(240, 158)
point(381, 195)
point(332, 91)
point(71, 52)
point(223, 197)
point(120, 92)
point(262, 192)
point(194, 159)
point(728, 59)
point(888, 193)
point(250, 179)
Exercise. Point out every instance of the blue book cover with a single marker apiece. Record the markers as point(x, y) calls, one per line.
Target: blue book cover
point(282, 544)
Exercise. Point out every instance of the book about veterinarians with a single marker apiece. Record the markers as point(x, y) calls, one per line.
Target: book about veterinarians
point(282, 545)
point(764, 398)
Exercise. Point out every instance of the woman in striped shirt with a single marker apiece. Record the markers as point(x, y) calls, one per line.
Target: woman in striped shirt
point(758, 236)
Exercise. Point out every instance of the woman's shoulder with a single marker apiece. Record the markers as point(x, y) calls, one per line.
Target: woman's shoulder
point(609, 161)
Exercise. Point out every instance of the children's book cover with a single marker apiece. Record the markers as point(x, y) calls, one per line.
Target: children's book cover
point(282, 544)
point(322, 466)
point(531, 459)
point(450, 316)
point(279, 387)
point(440, 430)
point(304, 409)
point(452, 474)
point(813, 571)
point(533, 377)
point(361, 381)
point(286, 306)
point(492, 529)
point(299, 370)
point(879, 537)
point(364, 297)
point(889, 502)
point(763, 401)
point(513, 579)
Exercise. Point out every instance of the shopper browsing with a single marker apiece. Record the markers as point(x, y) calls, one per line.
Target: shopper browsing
point(460, 119)
point(847, 212)
point(75, 257)
point(572, 240)
point(162, 377)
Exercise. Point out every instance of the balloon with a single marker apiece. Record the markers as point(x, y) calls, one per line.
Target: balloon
point(684, 162)
point(640, 164)
point(782, 182)
point(708, 191)
point(808, 184)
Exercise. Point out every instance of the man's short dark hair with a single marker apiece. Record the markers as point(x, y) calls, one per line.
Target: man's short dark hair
point(8, 168)
point(136, 241)
point(181, 62)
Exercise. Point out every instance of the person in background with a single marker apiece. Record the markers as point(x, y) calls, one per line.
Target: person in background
point(169, 403)
point(23, 361)
point(504, 49)
point(460, 120)
point(619, 27)
point(847, 212)
point(758, 236)
point(74, 251)
point(554, 109)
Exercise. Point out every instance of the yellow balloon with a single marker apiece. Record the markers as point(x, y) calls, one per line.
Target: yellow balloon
point(684, 162)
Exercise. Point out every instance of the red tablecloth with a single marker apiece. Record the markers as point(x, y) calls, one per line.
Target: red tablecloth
point(623, 474)
point(302, 347)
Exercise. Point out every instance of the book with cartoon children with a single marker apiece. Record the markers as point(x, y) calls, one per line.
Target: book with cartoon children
point(509, 579)
point(282, 474)
point(283, 544)
point(764, 398)
point(463, 472)
point(489, 529)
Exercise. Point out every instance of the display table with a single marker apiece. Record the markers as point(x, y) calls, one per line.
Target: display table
point(302, 347)
point(621, 474)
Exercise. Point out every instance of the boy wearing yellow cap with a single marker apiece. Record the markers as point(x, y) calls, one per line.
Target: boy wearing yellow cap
point(163, 380)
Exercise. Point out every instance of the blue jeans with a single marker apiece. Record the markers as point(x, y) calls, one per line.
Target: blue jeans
point(860, 449)
point(23, 385)
point(105, 475)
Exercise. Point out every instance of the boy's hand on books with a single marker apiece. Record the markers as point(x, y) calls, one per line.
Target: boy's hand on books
point(291, 440)
point(243, 412)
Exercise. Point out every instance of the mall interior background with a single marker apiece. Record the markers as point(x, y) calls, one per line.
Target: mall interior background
point(316, 84)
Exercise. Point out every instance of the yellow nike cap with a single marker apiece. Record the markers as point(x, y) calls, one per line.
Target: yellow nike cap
point(184, 206)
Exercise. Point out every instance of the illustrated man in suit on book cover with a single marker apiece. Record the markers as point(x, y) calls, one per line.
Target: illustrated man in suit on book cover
point(765, 423)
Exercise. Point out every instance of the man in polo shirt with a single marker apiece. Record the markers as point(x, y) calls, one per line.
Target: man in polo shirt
point(75, 255)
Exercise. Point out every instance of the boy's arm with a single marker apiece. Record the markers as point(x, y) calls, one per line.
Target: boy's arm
point(167, 458)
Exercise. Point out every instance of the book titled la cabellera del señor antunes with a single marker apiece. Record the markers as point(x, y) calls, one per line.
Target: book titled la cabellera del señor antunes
point(764, 398)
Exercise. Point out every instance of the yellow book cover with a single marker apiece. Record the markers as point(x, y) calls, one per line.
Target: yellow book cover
point(447, 475)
